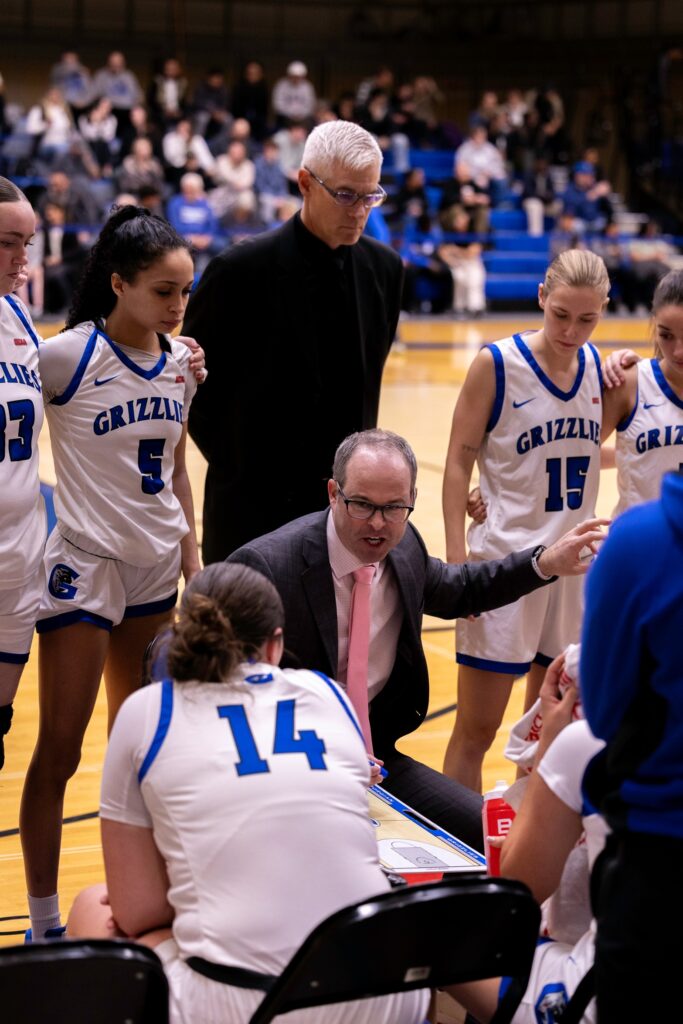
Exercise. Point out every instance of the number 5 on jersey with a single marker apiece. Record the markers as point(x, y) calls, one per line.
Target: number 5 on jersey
point(150, 454)
point(287, 740)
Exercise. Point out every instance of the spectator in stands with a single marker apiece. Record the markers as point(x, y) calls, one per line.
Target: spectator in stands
point(63, 259)
point(184, 151)
point(410, 202)
point(539, 198)
point(488, 107)
point(345, 107)
point(290, 142)
point(649, 258)
point(427, 99)
point(464, 192)
point(550, 133)
point(234, 199)
point(274, 200)
point(74, 81)
point(139, 127)
point(74, 197)
point(515, 108)
point(250, 99)
point(167, 96)
point(211, 115)
point(427, 283)
point(483, 160)
point(98, 128)
point(463, 257)
point(77, 161)
point(191, 215)
point(383, 79)
point(120, 86)
point(586, 201)
point(140, 168)
point(151, 198)
point(294, 96)
point(378, 118)
point(240, 131)
point(51, 124)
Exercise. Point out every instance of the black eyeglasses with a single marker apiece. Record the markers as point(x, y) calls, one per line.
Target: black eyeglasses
point(366, 509)
point(345, 197)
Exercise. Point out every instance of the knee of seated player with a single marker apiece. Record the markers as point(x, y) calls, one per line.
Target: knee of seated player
point(90, 915)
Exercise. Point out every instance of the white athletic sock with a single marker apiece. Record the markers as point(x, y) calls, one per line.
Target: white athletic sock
point(44, 911)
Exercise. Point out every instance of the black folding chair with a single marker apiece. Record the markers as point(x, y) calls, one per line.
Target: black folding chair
point(82, 981)
point(465, 928)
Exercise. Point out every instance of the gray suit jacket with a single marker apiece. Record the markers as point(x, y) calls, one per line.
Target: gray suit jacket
point(295, 558)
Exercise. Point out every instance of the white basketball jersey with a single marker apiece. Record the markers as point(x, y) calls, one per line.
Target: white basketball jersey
point(650, 442)
point(22, 511)
point(113, 431)
point(257, 793)
point(539, 462)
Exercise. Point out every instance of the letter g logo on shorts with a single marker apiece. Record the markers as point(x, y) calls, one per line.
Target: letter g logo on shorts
point(61, 580)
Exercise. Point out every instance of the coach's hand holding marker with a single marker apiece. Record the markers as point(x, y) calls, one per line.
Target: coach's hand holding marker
point(572, 553)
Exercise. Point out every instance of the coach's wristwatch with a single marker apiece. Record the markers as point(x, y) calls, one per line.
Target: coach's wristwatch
point(534, 563)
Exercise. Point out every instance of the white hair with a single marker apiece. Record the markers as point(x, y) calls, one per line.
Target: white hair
point(192, 179)
point(340, 142)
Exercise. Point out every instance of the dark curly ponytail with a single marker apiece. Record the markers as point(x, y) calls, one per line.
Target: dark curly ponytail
point(227, 613)
point(130, 241)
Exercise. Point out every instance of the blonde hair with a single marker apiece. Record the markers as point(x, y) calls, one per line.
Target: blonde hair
point(577, 268)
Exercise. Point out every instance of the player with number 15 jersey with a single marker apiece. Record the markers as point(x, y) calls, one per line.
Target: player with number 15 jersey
point(530, 413)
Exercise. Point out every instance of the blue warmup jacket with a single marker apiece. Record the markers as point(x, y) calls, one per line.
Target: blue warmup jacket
point(632, 667)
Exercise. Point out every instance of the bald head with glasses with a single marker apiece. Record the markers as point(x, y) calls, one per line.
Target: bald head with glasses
point(339, 182)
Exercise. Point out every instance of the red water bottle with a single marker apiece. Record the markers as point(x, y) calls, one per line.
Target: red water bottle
point(496, 816)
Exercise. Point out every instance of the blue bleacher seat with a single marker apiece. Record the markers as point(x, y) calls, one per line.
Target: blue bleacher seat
point(508, 220)
point(516, 263)
point(513, 287)
point(520, 241)
point(436, 163)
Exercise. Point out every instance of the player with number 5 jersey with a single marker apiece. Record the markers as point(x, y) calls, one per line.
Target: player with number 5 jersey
point(530, 414)
point(117, 390)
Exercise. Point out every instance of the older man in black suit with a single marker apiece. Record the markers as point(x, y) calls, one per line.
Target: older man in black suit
point(296, 325)
point(311, 562)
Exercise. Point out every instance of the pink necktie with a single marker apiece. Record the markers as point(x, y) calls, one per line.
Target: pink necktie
point(359, 648)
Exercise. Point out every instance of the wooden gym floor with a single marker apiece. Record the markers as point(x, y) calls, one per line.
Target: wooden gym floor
point(421, 383)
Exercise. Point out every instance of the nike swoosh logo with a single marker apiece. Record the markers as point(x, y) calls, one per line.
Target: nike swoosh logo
point(104, 380)
point(651, 405)
point(518, 405)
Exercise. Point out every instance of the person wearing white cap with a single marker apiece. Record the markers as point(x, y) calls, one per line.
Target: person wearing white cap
point(294, 97)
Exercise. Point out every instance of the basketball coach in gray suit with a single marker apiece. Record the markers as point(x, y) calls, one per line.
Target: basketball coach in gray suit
point(296, 324)
point(311, 561)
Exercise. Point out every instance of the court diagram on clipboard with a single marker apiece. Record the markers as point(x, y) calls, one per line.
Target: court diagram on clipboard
point(410, 843)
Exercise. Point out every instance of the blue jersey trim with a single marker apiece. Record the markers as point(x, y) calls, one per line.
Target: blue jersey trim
point(625, 424)
point(499, 368)
point(565, 396)
point(13, 659)
point(343, 701)
point(511, 668)
point(120, 354)
point(68, 618)
point(136, 611)
point(165, 715)
point(664, 384)
point(72, 386)
point(19, 312)
point(598, 366)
